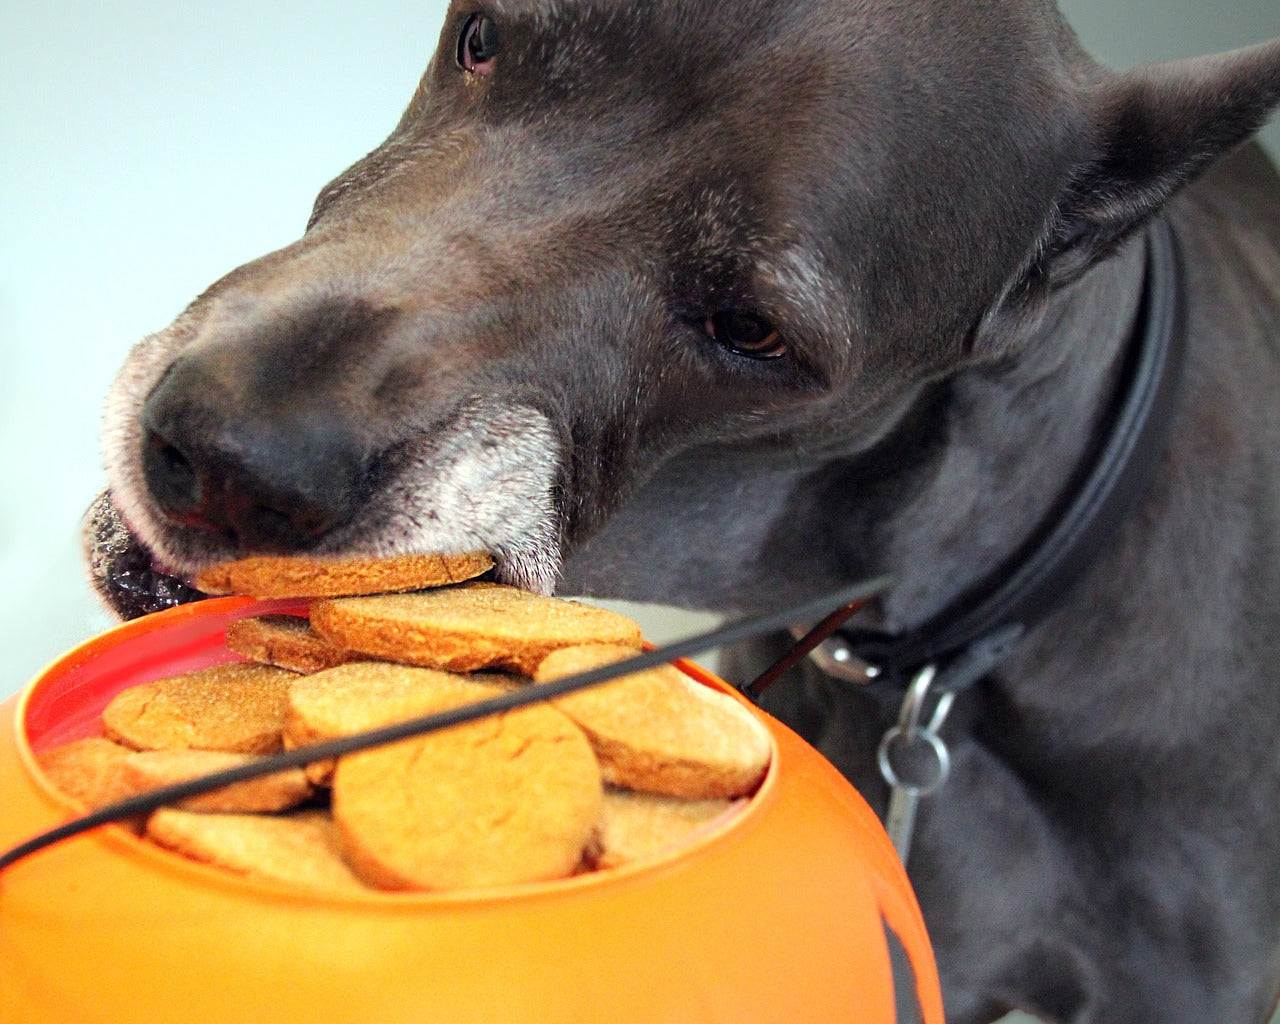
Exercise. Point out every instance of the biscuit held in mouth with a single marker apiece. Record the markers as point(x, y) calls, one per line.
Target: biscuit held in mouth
point(267, 576)
point(468, 627)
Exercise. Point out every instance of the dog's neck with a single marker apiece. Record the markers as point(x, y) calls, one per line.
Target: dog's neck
point(1017, 438)
point(945, 497)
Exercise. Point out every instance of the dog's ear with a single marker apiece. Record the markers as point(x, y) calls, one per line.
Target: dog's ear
point(1153, 130)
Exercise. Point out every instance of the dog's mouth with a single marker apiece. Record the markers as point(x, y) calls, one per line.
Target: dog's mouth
point(484, 484)
point(132, 580)
point(128, 576)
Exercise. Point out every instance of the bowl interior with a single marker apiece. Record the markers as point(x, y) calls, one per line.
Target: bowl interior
point(66, 703)
point(67, 700)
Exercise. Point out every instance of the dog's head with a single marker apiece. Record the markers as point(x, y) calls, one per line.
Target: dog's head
point(604, 236)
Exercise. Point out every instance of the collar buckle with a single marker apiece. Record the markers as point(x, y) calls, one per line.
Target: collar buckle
point(836, 657)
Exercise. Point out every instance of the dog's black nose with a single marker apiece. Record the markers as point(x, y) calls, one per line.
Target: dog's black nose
point(277, 481)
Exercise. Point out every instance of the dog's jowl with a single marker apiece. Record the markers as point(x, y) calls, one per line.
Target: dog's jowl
point(721, 303)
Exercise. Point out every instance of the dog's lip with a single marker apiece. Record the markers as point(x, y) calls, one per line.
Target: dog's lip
point(163, 568)
point(154, 562)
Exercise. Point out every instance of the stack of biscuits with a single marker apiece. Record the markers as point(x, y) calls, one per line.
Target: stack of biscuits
point(599, 778)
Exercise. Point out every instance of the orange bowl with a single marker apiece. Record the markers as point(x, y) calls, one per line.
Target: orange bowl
point(778, 917)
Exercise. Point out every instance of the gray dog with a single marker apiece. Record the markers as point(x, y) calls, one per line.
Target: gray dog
point(721, 303)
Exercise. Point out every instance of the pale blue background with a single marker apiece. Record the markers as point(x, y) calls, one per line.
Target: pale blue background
point(147, 148)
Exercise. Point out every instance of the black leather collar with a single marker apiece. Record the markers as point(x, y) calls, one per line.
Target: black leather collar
point(969, 637)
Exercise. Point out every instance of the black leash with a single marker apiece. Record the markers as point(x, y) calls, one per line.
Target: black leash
point(846, 597)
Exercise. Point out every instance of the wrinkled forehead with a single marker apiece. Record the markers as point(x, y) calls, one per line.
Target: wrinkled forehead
point(709, 82)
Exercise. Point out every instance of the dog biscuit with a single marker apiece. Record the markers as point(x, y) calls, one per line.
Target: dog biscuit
point(88, 770)
point(472, 626)
point(150, 769)
point(287, 641)
point(659, 731)
point(363, 695)
point(238, 708)
point(640, 826)
point(511, 798)
point(506, 799)
point(301, 849)
point(293, 576)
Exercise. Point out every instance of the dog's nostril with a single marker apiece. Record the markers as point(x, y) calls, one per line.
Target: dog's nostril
point(172, 478)
point(267, 480)
point(177, 467)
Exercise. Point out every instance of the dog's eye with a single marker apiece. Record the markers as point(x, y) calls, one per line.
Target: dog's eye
point(478, 45)
point(745, 334)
